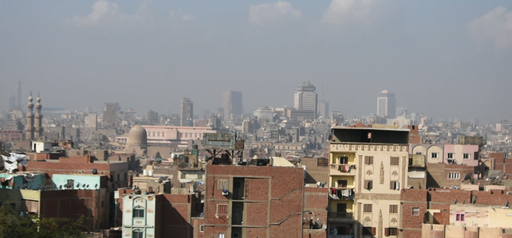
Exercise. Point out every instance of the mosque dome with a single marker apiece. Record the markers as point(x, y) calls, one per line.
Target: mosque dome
point(138, 136)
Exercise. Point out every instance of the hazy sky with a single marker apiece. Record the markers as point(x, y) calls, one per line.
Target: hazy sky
point(447, 59)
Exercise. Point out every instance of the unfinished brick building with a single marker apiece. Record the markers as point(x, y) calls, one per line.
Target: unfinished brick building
point(253, 201)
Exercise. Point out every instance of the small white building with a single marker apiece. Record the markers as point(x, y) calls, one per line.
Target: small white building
point(40, 146)
point(139, 215)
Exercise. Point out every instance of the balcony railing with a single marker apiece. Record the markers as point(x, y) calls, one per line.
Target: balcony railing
point(345, 168)
point(346, 215)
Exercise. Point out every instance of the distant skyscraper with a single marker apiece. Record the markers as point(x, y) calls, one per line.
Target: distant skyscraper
point(232, 103)
point(110, 115)
point(386, 104)
point(12, 102)
point(187, 112)
point(152, 117)
point(323, 109)
point(18, 95)
point(306, 98)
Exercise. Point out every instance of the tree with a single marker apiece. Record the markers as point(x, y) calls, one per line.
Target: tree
point(13, 225)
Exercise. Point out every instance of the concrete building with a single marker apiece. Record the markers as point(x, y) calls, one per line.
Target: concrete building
point(455, 213)
point(187, 112)
point(176, 136)
point(232, 103)
point(152, 117)
point(265, 114)
point(368, 166)
point(448, 153)
point(306, 99)
point(386, 104)
point(109, 118)
point(91, 121)
point(323, 109)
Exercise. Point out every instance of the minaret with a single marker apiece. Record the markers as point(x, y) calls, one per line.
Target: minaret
point(38, 132)
point(29, 128)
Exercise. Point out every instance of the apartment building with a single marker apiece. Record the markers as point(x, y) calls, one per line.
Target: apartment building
point(367, 168)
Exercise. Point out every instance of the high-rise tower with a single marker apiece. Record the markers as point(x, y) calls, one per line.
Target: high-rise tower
point(306, 98)
point(18, 95)
point(187, 112)
point(386, 104)
point(29, 128)
point(38, 131)
point(232, 103)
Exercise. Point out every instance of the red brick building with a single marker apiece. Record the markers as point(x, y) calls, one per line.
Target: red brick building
point(11, 135)
point(253, 201)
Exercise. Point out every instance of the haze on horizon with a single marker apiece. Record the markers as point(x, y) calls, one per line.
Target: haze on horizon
point(445, 59)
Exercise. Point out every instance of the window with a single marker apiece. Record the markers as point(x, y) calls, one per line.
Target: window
point(223, 184)
point(138, 212)
point(367, 208)
point(465, 156)
point(201, 228)
point(460, 217)
point(368, 160)
point(393, 208)
point(415, 211)
point(453, 175)
point(222, 209)
point(418, 153)
point(450, 155)
point(391, 231)
point(394, 185)
point(394, 161)
point(138, 233)
point(434, 155)
point(368, 184)
point(343, 160)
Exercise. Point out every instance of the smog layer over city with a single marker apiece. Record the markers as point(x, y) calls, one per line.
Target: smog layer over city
point(337, 118)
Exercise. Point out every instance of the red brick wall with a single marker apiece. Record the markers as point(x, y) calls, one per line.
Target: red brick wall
point(286, 199)
point(410, 198)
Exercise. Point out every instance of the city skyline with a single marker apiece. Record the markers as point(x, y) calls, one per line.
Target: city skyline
point(263, 52)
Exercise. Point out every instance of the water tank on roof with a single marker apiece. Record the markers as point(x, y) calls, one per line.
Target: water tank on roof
point(145, 173)
point(94, 171)
point(150, 173)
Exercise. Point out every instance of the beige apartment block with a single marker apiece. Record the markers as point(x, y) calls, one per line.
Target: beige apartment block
point(368, 167)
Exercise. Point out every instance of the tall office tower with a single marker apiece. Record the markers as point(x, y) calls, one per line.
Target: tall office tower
point(187, 112)
point(232, 103)
point(91, 121)
point(38, 131)
point(18, 95)
point(323, 109)
point(110, 115)
point(12, 102)
point(29, 128)
point(306, 98)
point(386, 104)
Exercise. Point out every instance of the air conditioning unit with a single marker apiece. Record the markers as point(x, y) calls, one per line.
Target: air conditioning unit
point(225, 192)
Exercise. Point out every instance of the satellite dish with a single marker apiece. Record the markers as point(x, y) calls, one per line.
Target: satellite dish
point(95, 185)
point(456, 200)
point(468, 176)
point(60, 186)
point(464, 202)
point(474, 199)
point(507, 204)
point(78, 185)
point(472, 180)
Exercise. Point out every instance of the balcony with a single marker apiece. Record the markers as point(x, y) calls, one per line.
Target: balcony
point(343, 169)
point(340, 215)
point(342, 193)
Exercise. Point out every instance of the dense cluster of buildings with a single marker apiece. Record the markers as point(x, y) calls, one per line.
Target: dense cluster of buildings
point(297, 171)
